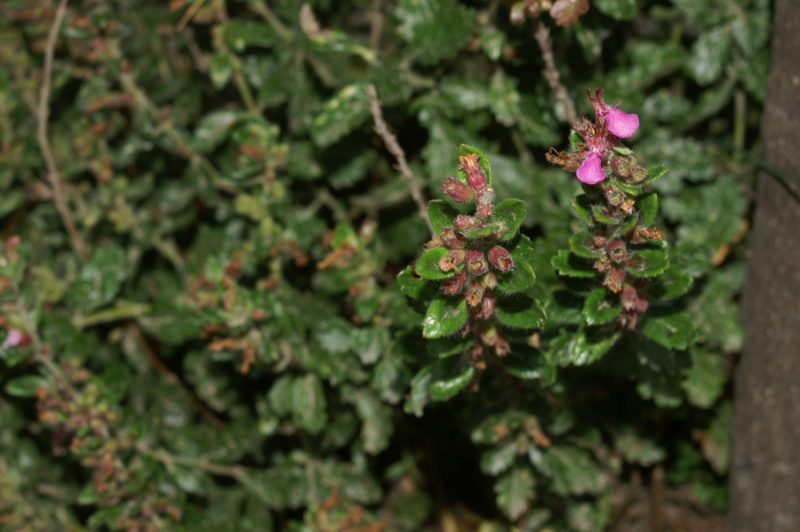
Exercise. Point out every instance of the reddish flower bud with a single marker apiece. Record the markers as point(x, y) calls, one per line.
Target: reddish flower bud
point(484, 210)
point(451, 261)
point(476, 262)
point(464, 222)
point(475, 176)
point(454, 285)
point(451, 239)
point(501, 259)
point(15, 338)
point(629, 298)
point(474, 293)
point(458, 191)
point(487, 307)
point(501, 347)
point(614, 196)
point(489, 336)
point(614, 279)
point(617, 251)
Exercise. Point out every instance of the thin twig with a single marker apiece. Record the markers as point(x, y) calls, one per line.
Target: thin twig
point(390, 141)
point(42, 117)
point(375, 25)
point(542, 35)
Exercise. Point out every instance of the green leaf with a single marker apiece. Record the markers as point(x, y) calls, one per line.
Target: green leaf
point(420, 394)
point(648, 208)
point(674, 331)
point(751, 30)
point(25, 386)
point(410, 285)
point(309, 407)
point(582, 208)
point(655, 173)
point(521, 313)
point(581, 347)
point(515, 492)
point(220, 69)
point(716, 441)
point(618, 9)
point(376, 418)
point(636, 449)
point(582, 245)
point(710, 55)
point(428, 39)
point(510, 214)
point(427, 265)
point(573, 471)
point(280, 395)
point(447, 347)
point(441, 215)
point(600, 214)
point(99, 279)
point(598, 309)
point(671, 285)
point(496, 460)
point(483, 161)
point(447, 383)
point(705, 380)
point(242, 34)
point(648, 263)
point(522, 277)
point(347, 110)
point(445, 316)
point(214, 129)
point(504, 99)
point(527, 363)
point(569, 265)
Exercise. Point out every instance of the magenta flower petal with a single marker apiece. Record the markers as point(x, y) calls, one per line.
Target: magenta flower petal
point(621, 124)
point(14, 338)
point(591, 170)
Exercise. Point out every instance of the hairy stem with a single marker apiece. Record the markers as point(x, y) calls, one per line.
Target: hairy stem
point(42, 116)
point(542, 35)
point(391, 143)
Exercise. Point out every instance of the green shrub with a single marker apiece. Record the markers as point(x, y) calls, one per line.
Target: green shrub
point(218, 307)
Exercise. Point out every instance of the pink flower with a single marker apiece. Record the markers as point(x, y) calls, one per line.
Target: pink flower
point(619, 123)
point(15, 338)
point(591, 169)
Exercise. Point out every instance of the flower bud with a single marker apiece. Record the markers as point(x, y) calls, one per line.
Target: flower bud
point(489, 336)
point(475, 176)
point(501, 347)
point(484, 210)
point(458, 191)
point(476, 262)
point(629, 298)
point(451, 239)
point(487, 307)
point(501, 259)
point(16, 338)
point(454, 285)
point(614, 196)
point(474, 293)
point(490, 281)
point(464, 222)
point(614, 279)
point(617, 251)
point(451, 261)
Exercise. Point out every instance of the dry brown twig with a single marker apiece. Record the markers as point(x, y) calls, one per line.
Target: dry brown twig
point(42, 117)
point(542, 35)
point(391, 143)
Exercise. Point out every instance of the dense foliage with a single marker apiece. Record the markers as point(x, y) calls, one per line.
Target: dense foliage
point(221, 306)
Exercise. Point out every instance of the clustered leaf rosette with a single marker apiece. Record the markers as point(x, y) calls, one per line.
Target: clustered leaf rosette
point(475, 275)
point(618, 244)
